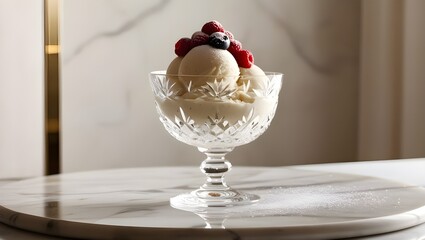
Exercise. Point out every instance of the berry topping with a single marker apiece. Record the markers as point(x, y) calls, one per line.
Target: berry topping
point(212, 27)
point(199, 38)
point(214, 34)
point(244, 58)
point(219, 40)
point(182, 46)
point(229, 34)
point(235, 46)
point(199, 33)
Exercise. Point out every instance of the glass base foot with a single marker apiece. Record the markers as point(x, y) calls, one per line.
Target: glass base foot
point(207, 198)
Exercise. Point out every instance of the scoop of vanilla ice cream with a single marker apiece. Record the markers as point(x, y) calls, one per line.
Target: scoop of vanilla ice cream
point(172, 75)
point(174, 66)
point(205, 60)
point(254, 76)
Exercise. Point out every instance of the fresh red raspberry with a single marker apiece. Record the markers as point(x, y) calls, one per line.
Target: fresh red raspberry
point(199, 38)
point(229, 34)
point(244, 58)
point(235, 46)
point(212, 27)
point(182, 47)
point(198, 33)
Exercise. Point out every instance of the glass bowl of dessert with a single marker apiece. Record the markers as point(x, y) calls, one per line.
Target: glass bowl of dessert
point(213, 97)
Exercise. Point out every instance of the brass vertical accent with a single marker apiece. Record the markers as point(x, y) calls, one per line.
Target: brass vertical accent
point(51, 86)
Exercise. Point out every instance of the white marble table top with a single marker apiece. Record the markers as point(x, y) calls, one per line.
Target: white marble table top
point(384, 198)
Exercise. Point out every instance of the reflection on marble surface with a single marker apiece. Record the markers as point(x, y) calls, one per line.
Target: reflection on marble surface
point(129, 202)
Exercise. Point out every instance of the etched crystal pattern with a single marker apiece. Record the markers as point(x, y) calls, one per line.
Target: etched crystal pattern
point(216, 130)
point(215, 115)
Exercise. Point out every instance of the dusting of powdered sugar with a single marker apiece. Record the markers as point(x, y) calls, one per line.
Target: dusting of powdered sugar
point(316, 200)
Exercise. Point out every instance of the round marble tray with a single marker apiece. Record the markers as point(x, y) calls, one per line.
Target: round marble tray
point(134, 204)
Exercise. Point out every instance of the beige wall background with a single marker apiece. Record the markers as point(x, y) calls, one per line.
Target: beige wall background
point(392, 111)
point(352, 90)
point(109, 47)
point(21, 88)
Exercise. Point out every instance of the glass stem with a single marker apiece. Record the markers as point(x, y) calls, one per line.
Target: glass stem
point(215, 167)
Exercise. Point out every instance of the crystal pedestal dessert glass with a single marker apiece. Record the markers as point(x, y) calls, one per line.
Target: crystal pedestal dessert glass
point(215, 117)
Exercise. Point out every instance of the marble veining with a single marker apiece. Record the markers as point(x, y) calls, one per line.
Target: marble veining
point(293, 37)
point(130, 203)
point(109, 47)
point(125, 26)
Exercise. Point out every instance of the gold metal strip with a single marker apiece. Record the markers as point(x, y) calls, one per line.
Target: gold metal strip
point(51, 87)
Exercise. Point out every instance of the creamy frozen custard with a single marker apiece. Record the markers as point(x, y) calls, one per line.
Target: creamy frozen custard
point(214, 78)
